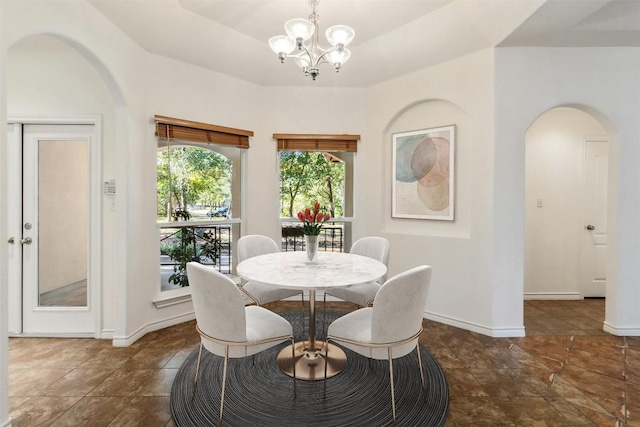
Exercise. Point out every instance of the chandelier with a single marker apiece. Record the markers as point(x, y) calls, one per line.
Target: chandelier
point(303, 35)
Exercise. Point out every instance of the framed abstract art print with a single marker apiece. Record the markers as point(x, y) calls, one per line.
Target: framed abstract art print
point(423, 174)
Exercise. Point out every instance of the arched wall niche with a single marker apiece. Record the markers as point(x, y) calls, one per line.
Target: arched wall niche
point(426, 114)
point(459, 250)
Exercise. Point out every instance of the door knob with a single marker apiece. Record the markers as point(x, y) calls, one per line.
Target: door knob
point(26, 241)
point(11, 240)
point(590, 227)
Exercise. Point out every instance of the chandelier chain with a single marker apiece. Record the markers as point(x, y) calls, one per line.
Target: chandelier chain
point(314, 17)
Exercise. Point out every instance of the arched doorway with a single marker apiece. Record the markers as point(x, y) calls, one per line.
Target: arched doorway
point(55, 82)
point(566, 205)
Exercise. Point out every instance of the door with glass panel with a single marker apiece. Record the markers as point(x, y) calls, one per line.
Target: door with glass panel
point(55, 229)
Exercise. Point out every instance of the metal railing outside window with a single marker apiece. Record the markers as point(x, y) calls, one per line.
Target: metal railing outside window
point(334, 236)
point(185, 241)
point(209, 242)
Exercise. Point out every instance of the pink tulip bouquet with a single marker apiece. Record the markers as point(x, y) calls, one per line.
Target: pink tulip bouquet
point(313, 219)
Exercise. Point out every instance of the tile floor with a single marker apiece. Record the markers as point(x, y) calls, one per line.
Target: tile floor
point(566, 372)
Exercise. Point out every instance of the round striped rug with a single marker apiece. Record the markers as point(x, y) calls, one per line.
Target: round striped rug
point(260, 394)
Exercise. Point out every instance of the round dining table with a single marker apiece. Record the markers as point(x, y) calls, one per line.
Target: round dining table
point(292, 270)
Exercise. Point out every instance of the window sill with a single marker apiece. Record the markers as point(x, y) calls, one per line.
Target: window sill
point(172, 297)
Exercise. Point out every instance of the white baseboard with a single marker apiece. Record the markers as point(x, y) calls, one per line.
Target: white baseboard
point(552, 295)
point(7, 422)
point(474, 327)
point(52, 334)
point(107, 334)
point(126, 341)
point(626, 331)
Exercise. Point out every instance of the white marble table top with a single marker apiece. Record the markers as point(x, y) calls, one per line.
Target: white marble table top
point(290, 270)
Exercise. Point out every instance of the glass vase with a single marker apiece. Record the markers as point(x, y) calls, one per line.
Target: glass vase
point(311, 244)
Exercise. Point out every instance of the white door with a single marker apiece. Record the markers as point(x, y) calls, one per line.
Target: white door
point(594, 241)
point(55, 229)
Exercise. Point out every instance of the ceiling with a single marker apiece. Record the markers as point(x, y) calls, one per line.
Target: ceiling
point(393, 37)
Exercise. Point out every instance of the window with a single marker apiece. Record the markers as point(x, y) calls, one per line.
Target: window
point(193, 183)
point(199, 211)
point(317, 168)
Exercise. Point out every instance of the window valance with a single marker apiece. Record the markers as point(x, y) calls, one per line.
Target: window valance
point(187, 130)
point(311, 142)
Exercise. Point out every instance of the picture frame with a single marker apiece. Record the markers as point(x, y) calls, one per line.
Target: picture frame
point(423, 174)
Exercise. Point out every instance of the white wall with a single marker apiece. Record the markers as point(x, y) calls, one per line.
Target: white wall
point(197, 94)
point(458, 92)
point(48, 78)
point(138, 85)
point(111, 76)
point(554, 173)
point(87, 74)
point(214, 98)
point(132, 86)
point(604, 82)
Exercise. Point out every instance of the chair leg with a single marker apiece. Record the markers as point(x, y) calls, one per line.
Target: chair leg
point(224, 383)
point(393, 396)
point(424, 388)
point(195, 382)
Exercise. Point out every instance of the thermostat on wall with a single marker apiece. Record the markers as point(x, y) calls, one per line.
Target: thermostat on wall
point(110, 187)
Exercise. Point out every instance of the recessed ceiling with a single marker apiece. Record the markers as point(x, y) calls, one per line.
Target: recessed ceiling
point(581, 24)
point(393, 37)
point(264, 19)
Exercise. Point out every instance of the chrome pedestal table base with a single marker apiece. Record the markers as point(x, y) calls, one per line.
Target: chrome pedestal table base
point(310, 362)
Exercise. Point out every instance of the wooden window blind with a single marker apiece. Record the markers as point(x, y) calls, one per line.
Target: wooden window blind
point(187, 130)
point(308, 142)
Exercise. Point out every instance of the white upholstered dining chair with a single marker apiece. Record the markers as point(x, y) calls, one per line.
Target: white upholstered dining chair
point(391, 328)
point(227, 328)
point(262, 293)
point(361, 294)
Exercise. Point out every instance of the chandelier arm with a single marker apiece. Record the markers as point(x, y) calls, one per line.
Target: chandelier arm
point(305, 55)
point(321, 58)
